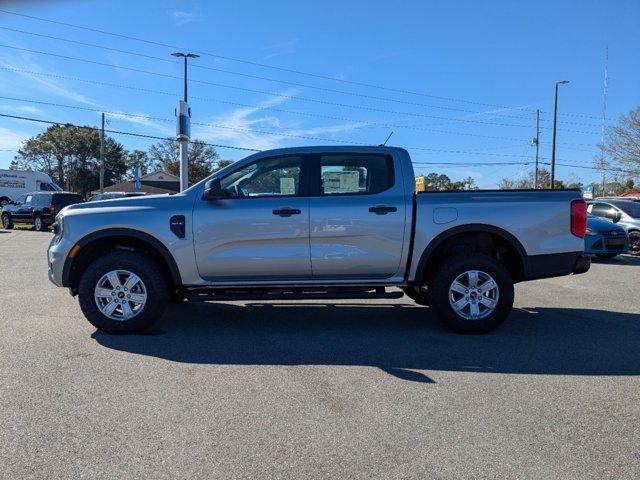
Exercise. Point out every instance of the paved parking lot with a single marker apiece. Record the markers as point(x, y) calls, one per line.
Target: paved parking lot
point(320, 389)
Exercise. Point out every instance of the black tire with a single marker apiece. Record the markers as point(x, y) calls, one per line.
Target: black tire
point(7, 224)
point(458, 265)
point(418, 294)
point(634, 243)
point(39, 224)
point(142, 266)
point(606, 255)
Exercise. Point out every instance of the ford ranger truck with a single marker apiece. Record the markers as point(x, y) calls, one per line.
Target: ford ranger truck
point(315, 222)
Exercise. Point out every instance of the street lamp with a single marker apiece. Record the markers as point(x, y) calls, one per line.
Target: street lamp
point(185, 56)
point(553, 140)
point(183, 125)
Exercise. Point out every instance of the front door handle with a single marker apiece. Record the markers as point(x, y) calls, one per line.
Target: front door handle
point(382, 209)
point(286, 212)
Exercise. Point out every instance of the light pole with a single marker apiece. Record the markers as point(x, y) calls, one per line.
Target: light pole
point(183, 126)
point(553, 140)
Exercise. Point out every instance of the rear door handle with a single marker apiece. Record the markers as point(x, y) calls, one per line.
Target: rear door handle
point(382, 209)
point(286, 212)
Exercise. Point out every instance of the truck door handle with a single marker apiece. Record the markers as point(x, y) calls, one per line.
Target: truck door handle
point(286, 212)
point(382, 209)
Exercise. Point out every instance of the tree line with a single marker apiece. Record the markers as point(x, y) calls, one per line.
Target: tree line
point(70, 155)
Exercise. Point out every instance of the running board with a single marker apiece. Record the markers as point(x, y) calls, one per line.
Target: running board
point(213, 295)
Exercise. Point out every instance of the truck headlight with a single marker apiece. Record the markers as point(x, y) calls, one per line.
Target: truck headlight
point(58, 227)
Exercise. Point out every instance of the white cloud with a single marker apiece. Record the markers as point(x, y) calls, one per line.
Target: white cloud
point(11, 139)
point(240, 128)
point(181, 18)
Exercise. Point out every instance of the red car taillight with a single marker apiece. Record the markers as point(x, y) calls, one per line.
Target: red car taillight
point(578, 218)
point(52, 209)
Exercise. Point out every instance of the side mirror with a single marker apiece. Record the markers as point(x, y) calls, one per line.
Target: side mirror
point(213, 191)
point(616, 216)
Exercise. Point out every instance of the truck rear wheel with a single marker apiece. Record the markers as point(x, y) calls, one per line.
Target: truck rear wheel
point(472, 293)
point(7, 224)
point(123, 292)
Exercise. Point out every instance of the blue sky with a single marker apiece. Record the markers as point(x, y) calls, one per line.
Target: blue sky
point(461, 79)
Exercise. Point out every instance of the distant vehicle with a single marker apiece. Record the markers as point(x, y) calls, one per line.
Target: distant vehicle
point(632, 199)
point(316, 222)
point(111, 195)
point(604, 238)
point(37, 208)
point(14, 183)
point(624, 212)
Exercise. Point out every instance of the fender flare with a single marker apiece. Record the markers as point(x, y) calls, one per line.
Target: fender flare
point(472, 227)
point(125, 232)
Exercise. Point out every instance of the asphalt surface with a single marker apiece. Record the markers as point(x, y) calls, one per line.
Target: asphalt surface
point(316, 389)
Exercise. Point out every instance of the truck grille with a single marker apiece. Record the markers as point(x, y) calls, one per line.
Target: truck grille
point(614, 241)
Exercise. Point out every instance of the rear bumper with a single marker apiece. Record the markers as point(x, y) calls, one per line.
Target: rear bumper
point(555, 265)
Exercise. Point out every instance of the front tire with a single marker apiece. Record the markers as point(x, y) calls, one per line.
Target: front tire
point(39, 224)
point(472, 293)
point(123, 292)
point(7, 224)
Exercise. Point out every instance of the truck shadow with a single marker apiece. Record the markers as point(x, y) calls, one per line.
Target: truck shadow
point(619, 260)
point(397, 338)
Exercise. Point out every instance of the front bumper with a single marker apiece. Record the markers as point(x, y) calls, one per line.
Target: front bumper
point(56, 255)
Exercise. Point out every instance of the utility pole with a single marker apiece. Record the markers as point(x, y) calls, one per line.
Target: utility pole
point(102, 155)
point(553, 140)
point(537, 144)
point(604, 116)
point(183, 126)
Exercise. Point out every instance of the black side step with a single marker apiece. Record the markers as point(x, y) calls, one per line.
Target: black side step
point(212, 295)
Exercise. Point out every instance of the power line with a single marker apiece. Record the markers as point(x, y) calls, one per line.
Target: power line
point(259, 77)
point(119, 132)
point(259, 132)
point(288, 97)
point(274, 67)
point(366, 123)
point(417, 163)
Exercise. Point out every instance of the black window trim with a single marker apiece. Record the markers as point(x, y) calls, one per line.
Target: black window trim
point(316, 180)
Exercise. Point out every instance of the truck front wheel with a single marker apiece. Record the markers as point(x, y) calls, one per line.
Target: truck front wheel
point(123, 292)
point(472, 293)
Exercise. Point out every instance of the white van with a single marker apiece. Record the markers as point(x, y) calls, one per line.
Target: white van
point(14, 183)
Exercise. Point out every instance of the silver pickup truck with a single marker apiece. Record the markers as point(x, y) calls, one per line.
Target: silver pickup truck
point(328, 222)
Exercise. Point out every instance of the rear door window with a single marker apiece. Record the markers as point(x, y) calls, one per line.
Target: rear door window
point(355, 174)
point(61, 200)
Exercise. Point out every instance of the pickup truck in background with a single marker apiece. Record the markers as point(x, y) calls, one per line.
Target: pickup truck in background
point(328, 222)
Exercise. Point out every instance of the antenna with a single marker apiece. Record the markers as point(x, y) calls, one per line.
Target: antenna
point(385, 142)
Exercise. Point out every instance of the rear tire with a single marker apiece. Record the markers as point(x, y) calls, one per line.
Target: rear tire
point(97, 278)
point(7, 224)
point(39, 224)
point(472, 306)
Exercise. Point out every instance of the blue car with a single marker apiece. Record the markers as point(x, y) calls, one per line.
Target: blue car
point(604, 238)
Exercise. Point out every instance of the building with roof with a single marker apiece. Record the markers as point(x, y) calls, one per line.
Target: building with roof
point(152, 184)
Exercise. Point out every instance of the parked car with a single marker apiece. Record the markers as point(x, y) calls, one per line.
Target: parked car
point(328, 222)
point(624, 212)
point(111, 195)
point(37, 208)
point(604, 238)
point(14, 183)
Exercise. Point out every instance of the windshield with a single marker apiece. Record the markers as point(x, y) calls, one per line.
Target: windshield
point(630, 208)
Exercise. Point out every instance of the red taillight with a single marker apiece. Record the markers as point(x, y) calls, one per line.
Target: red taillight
point(52, 209)
point(578, 218)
